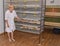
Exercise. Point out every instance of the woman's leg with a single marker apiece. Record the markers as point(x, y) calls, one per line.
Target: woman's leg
point(12, 37)
point(9, 36)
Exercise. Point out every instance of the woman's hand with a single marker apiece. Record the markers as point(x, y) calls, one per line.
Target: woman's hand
point(18, 19)
point(7, 25)
point(6, 22)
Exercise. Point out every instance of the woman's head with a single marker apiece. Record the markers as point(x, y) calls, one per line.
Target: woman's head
point(10, 7)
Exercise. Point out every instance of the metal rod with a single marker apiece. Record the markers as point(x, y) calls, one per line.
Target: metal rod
point(42, 26)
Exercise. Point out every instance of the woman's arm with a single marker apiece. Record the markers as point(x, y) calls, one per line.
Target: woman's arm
point(6, 18)
point(6, 22)
point(19, 19)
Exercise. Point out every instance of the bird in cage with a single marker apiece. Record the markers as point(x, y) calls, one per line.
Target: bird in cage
point(25, 1)
point(34, 14)
point(24, 14)
point(24, 7)
point(36, 0)
point(36, 8)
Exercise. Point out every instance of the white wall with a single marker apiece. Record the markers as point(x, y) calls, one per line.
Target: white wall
point(56, 2)
point(1, 17)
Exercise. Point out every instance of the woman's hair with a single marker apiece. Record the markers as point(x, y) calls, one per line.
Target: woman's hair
point(10, 5)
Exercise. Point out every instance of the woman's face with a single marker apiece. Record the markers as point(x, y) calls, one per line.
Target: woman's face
point(11, 8)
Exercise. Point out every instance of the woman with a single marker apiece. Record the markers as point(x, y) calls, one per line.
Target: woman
point(9, 22)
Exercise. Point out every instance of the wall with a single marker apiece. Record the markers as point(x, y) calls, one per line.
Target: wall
point(1, 17)
point(56, 2)
point(52, 15)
